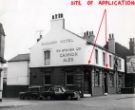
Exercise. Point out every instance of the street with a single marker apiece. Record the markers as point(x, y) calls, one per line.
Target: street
point(110, 102)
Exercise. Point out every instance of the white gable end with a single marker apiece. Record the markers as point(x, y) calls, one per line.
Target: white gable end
point(65, 49)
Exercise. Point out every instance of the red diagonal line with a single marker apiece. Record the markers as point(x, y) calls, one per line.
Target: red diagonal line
point(89, 61)
point(106, 53)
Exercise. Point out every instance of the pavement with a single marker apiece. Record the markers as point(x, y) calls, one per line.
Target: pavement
point(15, 102)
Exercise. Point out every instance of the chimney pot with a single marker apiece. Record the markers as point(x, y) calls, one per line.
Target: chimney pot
point(92, 32)
point(130, 39)
point(110, 36)
point(55, 16)
point(87, 33)
point(52, 16)
point(61, 15)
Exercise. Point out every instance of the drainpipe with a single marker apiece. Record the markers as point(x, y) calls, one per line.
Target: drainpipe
point(1, 82)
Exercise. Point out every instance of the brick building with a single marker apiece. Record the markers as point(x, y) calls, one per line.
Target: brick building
point(61, 58)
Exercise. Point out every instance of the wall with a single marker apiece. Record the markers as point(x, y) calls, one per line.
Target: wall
point(68, 43)
point(18, 73)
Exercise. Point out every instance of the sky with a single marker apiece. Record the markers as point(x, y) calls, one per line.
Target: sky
point(23, 19)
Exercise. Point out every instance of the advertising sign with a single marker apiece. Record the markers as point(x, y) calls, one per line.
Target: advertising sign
point(130, 64)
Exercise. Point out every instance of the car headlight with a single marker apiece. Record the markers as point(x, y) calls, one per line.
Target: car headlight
point(75, 93)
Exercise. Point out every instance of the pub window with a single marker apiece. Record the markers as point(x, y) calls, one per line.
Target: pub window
point(96, 79)
point(110, 60)
point(111, 80)
point(47, 78)
point(119, 63)
point(96, 56)
point(47, 57)
point(70, 78)
point(104, 58)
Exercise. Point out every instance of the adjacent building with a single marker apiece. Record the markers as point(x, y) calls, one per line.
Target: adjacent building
point(130, 65)
point(2, 61)
point(17, 75)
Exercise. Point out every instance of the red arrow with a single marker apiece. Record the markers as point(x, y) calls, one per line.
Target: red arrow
point(89, 61)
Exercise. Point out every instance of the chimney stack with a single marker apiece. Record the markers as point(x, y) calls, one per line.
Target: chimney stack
point(132, 46)
point(40, 36)
point(111, 43)
point(57, 22)
point(89, 36)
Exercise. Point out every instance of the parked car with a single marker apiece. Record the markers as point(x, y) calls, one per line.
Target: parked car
point(33, 92)
point(59, 92)
point(54, 92)
point(76, 88)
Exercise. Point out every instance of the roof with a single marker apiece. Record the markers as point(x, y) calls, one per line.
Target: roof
point(20, 57)
point(120, 50)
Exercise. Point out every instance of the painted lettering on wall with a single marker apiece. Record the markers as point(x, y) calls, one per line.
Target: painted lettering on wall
point(49, 43)
point(68, 54)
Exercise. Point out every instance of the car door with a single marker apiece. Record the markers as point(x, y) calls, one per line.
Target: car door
point(59, 94)
point(35, 93)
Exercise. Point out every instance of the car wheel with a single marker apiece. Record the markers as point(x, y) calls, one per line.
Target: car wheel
point(42, 98)
point(69, 97)
point(34, 97)
point(29, 98)
point(24, 97)
point(21, 97)
point(48, 97)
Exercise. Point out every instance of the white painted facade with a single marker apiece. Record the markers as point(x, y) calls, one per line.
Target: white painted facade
point(18, 73)
point(66, 48)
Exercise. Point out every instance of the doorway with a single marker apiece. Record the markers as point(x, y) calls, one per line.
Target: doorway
point(105, 83)
point(87, 82)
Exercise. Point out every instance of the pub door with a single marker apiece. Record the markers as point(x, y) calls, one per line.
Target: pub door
point(105, 83)
point(87, 82)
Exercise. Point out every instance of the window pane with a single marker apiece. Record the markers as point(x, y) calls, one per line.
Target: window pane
point(96, 78)
point(70, 79)
point(111, 80)
point(110, 60)
point(47, 79)
point(96, 56)
point(103, 58)
point(47, 57)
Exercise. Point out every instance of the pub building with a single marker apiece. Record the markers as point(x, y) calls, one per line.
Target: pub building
point(61, 58)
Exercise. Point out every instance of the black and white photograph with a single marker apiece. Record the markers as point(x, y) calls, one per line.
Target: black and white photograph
point(67, 55)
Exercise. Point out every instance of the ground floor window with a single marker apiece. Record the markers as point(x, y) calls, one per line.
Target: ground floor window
point(47, 78)
point(120, 80)
point(69, 78)
point(111, 77)
point(97, 79)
